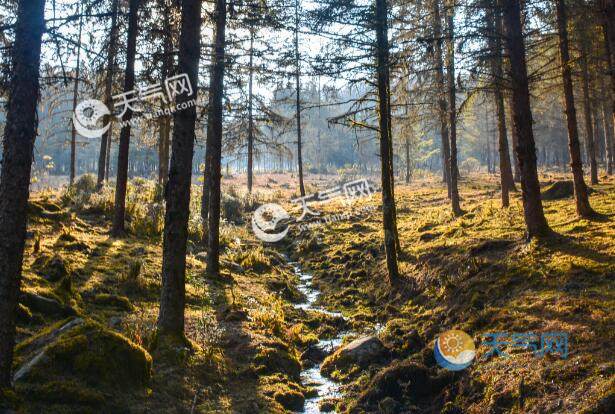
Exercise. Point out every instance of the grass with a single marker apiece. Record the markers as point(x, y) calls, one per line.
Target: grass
point(475, 273)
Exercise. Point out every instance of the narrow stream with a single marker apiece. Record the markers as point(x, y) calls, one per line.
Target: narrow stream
point(326, 388)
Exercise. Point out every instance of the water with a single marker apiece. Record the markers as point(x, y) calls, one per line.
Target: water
point(311, 376)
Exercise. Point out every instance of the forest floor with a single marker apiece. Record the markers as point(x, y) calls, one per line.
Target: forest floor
point(250, 342)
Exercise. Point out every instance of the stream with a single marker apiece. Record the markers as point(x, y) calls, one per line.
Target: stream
point(326, 388)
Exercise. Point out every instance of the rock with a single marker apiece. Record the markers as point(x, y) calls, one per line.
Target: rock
point(290, 399)
point(405, 379)
point(44, 305)
point(362, 352)
point(313, 355)
point(115, 301)
point(271, 360)
point(559, 190)
point(400, 336)
point(327, 405)
point(389, 406)
point(52, 268)
point(83, 351)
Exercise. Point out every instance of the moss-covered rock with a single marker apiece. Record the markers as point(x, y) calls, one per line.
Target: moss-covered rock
point(276, 359)
point(85, 351)
point(62, 392)
point(290, 399)
point(51, 267)
point(115, 301)
point(360, 352)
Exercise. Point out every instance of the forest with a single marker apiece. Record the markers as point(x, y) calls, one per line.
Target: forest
point(307, 206)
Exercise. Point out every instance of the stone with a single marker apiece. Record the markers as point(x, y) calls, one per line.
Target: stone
point(362, 352)
point(45, 305)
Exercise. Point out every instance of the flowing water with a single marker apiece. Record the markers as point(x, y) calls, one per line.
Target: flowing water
point(311, 376)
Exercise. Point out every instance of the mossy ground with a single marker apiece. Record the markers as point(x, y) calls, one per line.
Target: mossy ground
point(474, 273)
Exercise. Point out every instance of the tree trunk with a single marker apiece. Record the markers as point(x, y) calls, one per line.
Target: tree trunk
point(494, 24)
point(250, 115)
point(442, 111)
point(587, 109)
point(165, 120)
point(106, 138)
point(214, 138)
point(514, 140)
point(607, 125)
point(580, 189)
point(108, 157)
point(122, 156)
point(18, 145)
point(535, 221)
point(177, 192)
point(407, 144)
point(298, 99)
point(384, 112)
point(73, 134)
point(608, 30)
point(452, 114)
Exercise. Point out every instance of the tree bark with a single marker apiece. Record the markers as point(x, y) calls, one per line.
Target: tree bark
point(580, 189)
point(177, 192)
point(104, 141)
point(73, 134)
point(250, 115)
point(608, 30)
point(494, 24)
point(214, 139)
point(384, 112)
point(607, 125)
point(536, 224)
point(18, 145)
point(407, 145)
point(122, 158)
point(298, 99)
point(587, 110)
point(442, 111)
point(452, 114)
point(165, 120)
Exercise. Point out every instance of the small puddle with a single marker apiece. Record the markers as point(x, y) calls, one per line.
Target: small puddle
point(311, 376)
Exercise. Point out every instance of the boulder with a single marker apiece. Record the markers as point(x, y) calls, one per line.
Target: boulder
point(362, 352)
point(45, 305)
point(83, 351)
point(52, 268)
point(559, 190)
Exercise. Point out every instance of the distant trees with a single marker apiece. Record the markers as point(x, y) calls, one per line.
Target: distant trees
point(177, 192)
point(18, 145)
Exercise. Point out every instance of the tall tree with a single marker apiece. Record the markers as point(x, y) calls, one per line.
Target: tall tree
point(177, 192)
point(494, 33)
point(298, 99)
point(580, 189)
point(535, 221)
point(112, 52)
point(440, 91)
point(608, 30)
point(384, 112)
point(587, 104)
point(250, 111)
point(122, 158)
point(73, 135)
point(18, 145)
point(214, 138)
point(452, 110)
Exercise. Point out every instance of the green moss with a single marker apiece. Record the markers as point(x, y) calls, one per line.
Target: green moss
point(116, 301)
point(272, 360)
point(291, 400)
point(62, 392)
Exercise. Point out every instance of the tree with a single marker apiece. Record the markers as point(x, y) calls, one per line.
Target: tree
point(18, 145)
point(214, 138)
point(580, 189)
point(494, 33)
point(440, 91)
point(452, 114)
point(587, 107)
point(122, 158)
point(384, 114)
point(73, 137)
point(177, 192)
point(535, 221)
point(298, 99)
point(111, 54)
